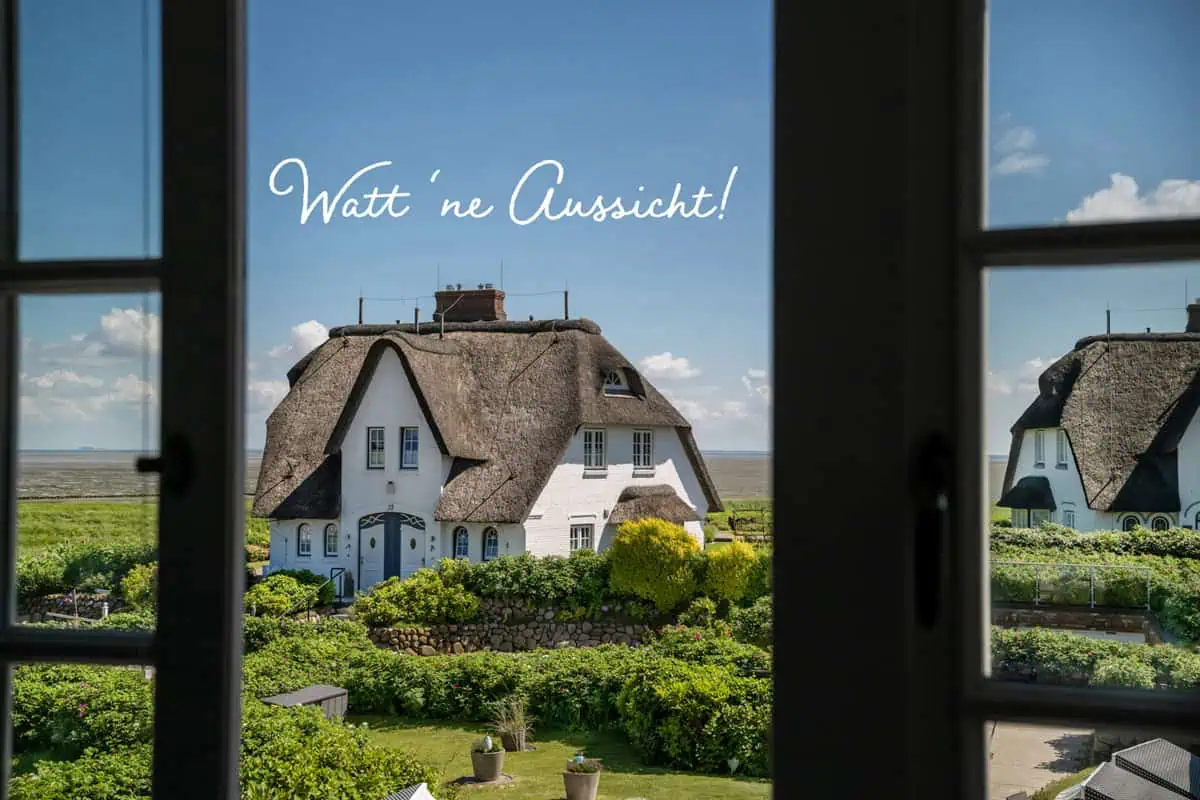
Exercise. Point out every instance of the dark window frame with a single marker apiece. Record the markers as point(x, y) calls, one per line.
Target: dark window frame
point(336, 541)
point(489, 532)
point(303, 529)
point(404, 431)
point(382, 449)
point(460, 531)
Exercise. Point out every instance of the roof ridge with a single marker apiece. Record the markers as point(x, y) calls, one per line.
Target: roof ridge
point(487, 326)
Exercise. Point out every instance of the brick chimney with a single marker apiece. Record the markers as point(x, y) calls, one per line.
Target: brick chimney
point(1193, 323)
point(482, 304)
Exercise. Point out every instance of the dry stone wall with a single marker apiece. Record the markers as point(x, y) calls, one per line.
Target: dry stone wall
point(90, 606)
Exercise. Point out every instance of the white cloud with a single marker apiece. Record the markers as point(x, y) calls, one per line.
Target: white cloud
point(665, 365)
point(263, 396)
point(303, 339)
point(122, 334)
point(1123, 201)
point(755, 383)
point(1016, 147)
point(63, 396)
point(1019, 380)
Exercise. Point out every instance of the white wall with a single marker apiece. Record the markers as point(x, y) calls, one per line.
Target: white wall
point(511, 538)
point(574, 496)
point(285, 548)
point(1065, 481)
point(1189, 475)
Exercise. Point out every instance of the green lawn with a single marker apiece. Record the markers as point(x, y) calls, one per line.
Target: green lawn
point(537, 775)
point(999, 513)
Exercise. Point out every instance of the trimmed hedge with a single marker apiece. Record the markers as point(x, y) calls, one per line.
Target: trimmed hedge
point(1177, 542)
point(1068, 659)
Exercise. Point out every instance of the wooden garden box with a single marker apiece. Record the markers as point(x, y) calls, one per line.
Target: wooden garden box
point(331, 699)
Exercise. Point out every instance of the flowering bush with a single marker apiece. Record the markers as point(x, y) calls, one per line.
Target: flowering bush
point(655, 560)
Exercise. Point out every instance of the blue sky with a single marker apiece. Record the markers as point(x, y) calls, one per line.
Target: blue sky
point(1091, 111)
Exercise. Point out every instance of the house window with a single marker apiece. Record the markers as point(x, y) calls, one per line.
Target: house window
point(331, 540)
point(1068, 516)
point(491, 544)
point(462, 543)
point(1160, 523)
point(1039, 449)
point(409, 442)
point(614, 383)
point(1062, 448)
point(1020, 517)
point(375, 439)
point(593, 449)
point(304, 539)
point(581, 537)
point(643, 449)
point(1038, 517)
point(1129, 523)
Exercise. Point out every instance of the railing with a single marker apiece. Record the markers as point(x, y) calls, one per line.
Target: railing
point(1039, 568)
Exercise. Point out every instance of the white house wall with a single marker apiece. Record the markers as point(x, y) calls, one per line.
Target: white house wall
point(575, 496)
point(511, 539)
point(1065, 481)
point(1189, 475)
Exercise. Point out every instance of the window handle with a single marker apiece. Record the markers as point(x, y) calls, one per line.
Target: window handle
point(931, 475)
point(173, 465)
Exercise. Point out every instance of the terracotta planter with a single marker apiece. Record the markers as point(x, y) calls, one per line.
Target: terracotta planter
point(513, 742)
point(581, 785)
point(487, 766)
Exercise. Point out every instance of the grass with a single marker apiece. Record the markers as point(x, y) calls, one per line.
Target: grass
point(537, 775)
point(1051, 790)
point(999, 513)
point(753, 515)
point(42, 525)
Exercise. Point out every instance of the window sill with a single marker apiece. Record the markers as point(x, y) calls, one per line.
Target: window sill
point(374, 469)
point(595, 473)
point(1060, 466)
point(1039, 465)
point(643, 472)
point(409, 469)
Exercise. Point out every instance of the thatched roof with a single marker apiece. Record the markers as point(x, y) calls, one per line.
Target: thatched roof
point(659, 501)
point(1125, 401)
point(1032, 491)
point(504, 399)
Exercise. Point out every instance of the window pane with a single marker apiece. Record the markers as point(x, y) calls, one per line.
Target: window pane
point(90, 129)
point(1088, 112)
point(1098, 590)
point(87, 522)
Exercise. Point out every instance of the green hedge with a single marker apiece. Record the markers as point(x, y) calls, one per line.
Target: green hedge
point(1068, 659)
point(1177, 542)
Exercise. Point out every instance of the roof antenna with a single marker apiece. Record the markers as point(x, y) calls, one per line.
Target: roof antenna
point(360, 302)
point(502, 274)
point(1107, 319)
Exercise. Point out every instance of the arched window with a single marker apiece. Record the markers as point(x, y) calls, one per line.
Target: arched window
point(491, 544)
point(462, 543)
point(1129, 523)
point(304, 539)
point(331, 540)
point(1160, 523)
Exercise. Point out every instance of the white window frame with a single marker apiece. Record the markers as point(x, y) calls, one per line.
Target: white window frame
point(1020, 517)
point(1041, 518)
point(582, 536)
point(331, 529)
point(1125, 521)
point(595, 440)
point(461, 542)
point(1156, 519)
point(643, 449)
point(615, 384)
point(491, 536)
point(1068, 515)
point(405, 439)
point(1039, 448)
point(196, 647)
point(304, 540)
point(1061, 442)
point(372, 450)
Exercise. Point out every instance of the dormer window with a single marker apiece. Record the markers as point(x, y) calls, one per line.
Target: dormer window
point(614, 383)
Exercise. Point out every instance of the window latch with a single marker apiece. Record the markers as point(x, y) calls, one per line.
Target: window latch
point(173, 465)
point(931, 474)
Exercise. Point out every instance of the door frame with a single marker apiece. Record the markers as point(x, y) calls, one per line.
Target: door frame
point(381, 518)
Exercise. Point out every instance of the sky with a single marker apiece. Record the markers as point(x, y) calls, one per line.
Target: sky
point(1091, 110)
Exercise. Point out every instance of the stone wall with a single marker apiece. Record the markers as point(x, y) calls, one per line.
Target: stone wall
point(507, 638)
point(1079, 619)
point(91, 606)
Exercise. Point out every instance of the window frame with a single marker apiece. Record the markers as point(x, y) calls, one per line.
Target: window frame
point(1039, 449)
point(645, 434)
point(600, 434)
point(1126, 519)
point(303, 532)
point(331, 527)
point(196, 647)
point(460, 531)
point(490, 532)
point(405, 430)
point(575, 542)
point(1068, 515)
point(1043, 519)
point(1062, 454)
point(382, 450)
point(1160, 518)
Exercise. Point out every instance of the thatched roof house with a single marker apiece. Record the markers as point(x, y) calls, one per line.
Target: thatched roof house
point(503, 399)
point(1123, 404)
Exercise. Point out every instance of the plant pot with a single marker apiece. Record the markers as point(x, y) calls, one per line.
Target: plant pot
point(581, 785)
point(513, 742)
point(487, 766)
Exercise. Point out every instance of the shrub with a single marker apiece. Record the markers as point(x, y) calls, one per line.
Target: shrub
point(653, 559)
point(140, 586)
point(306, 577)
point(1127, 672)
point(257, 552)
point(140, 620)
point(83, 565)
point(422, 599)
point(700, 613)
point(258, 531)
point(758, 584)
point(1177, 542)
point(279, 595)
point(714, 648)
point(118, 775)
point(1072, 660)
point(289, 663)
point(728, 569)
point(258, 632)
point(753, 625)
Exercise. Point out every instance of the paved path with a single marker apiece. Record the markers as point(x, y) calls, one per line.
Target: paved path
point(1027, 757)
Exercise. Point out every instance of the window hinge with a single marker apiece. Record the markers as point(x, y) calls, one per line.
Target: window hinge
point(173, 465)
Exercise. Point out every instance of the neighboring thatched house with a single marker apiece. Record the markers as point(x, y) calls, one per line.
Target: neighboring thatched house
point(478, 437)
point(1109, 442)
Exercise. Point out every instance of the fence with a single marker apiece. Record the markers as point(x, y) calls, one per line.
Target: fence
point(1010, 583)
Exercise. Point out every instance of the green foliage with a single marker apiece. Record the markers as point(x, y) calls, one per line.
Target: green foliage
point(291, 662)
point(1177, 542)
point(700, 613)
point(84, 565)
point(140, 586)
point(1068, 659)
point(758, 584)
point(140, 620)
point(581, 580)
point(309, 578)
point(727, 573)
point(754, 624)
point(1052, 790)
point(257, 632)
point(123, 774)
point(713, 647)
point(1128, 672)
point(655, 560)
point(279, 595)
point(422, 599)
